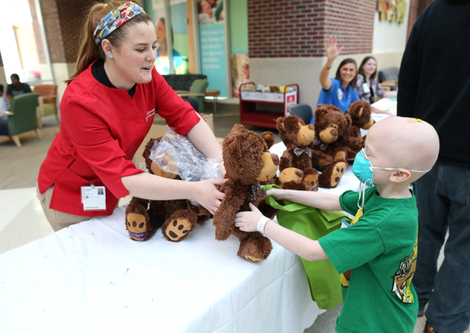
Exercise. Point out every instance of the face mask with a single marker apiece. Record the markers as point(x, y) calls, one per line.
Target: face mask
point(362, 169)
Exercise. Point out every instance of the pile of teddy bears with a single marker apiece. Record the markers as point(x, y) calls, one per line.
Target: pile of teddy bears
point(327, 146)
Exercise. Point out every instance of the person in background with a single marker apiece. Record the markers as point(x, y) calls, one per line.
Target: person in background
point(16, 87)
point(434, 85)
point(4, 104)
point(341, 90)
point(162, 62)
point(107, 109)
point(376, 254)
point(368, 88)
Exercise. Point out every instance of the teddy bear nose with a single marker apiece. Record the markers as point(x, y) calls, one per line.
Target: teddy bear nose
point(334, 132)
point(311, 127)
point(275, 159)
point(299, 173)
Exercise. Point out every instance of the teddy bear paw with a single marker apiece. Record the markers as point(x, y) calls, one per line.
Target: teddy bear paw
point(177, 229)
point(255, 247)
point(137, 226)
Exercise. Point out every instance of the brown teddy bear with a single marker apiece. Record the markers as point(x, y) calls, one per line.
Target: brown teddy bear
point(297, 136)
point(360, 113)
point(330, 124)
point(247, 162)
point(299, 154)
point(176, 217)
point(296, 179)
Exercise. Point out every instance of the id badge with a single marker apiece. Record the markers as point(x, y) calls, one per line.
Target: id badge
point(94, 197)
point(365, 88)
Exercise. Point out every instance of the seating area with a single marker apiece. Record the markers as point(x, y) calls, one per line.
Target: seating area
point(21, 117)
point(196, 94)
point(388, 78)
point(303, 111)
point(47, 101)
point(184, 81)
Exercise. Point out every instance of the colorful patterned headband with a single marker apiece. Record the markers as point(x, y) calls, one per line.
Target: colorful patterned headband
point(115, 19)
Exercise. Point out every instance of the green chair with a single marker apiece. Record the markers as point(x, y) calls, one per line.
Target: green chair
point(21, 117)
point(196, 94)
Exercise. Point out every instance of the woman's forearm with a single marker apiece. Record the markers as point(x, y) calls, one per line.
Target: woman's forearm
point(390, 94)
point(202, 137)
point(151, 187)
point(325, 80)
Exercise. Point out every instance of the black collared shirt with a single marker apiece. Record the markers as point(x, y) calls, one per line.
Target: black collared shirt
point(100, 75)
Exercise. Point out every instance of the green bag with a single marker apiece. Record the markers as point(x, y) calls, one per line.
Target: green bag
point(323, 279)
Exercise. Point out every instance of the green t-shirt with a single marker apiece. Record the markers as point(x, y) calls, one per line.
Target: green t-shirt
point(380, 249)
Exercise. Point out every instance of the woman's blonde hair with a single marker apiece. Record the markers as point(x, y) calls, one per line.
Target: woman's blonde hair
point(89, 51)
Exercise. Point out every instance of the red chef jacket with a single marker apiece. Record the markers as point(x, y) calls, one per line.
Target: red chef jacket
point(100, 131)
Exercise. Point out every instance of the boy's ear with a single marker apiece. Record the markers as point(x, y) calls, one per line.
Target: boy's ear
point(400, 176)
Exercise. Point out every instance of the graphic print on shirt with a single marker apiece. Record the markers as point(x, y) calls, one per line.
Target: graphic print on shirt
point(340, 94)
point(404, 275)
point(346, 276)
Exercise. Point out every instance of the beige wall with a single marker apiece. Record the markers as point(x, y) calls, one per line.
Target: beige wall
point(306, 71)
point(3, 79)
point(62, 71)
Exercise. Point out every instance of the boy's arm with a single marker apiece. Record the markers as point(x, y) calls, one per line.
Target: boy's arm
point(302, 246)
point(318, 200)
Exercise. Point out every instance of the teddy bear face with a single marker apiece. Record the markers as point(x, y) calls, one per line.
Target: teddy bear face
point(271, 164)
point(293, 131)
point(165, 161)
point(330, 123)
point(246, 157)
point(291, 174)
point(360, 113)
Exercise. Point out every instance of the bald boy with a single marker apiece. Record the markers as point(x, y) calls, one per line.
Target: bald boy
point(376, 254)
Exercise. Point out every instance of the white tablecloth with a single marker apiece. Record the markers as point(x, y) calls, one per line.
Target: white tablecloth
point(91, 277)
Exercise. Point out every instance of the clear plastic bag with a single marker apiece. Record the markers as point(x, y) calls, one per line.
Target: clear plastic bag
point(181, 157)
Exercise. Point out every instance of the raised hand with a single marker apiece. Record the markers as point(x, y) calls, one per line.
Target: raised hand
point(331, 48)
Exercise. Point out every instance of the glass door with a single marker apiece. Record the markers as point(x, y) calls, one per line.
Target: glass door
point(23, 45)
point(172, 36)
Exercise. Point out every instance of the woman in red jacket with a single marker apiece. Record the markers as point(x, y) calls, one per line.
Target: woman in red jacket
point(107, 110)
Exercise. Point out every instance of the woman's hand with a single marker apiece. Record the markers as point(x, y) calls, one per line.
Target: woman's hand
point(332, 51)
point(207, 194)
point(248, 221)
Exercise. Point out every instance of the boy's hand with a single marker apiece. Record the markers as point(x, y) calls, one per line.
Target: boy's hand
point(274, 192)
point(248, 221)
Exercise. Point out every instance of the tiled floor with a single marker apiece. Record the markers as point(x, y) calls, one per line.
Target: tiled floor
point(22, 219)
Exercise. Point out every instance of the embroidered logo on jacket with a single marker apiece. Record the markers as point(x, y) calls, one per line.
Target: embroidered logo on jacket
point(149, 114)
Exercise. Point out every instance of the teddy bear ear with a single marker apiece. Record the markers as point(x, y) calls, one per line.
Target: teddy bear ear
point(320, 111)
point(280, 124)
point(360, 111)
